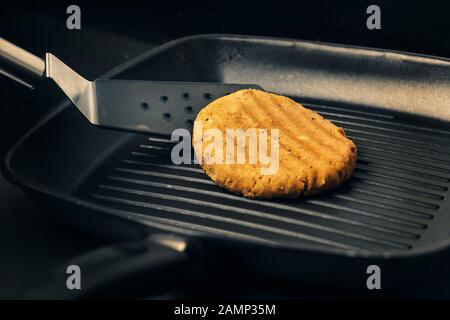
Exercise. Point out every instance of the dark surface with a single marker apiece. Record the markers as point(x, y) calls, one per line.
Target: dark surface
point(31, 242)
point(383, 210)
point(28, 236)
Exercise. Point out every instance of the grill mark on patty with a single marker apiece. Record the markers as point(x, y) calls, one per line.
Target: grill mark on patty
point(285, 146)
point(257, 122)
point(256, 119)
point(310, 170)
point(323, 138)
point(341, 138)
point(336, 165)
point(306, 145)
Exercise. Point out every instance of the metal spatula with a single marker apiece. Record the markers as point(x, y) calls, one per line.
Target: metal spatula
point(156, 107)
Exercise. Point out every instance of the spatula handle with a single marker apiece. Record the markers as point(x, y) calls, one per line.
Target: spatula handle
point(19, 64)
point(131, 270)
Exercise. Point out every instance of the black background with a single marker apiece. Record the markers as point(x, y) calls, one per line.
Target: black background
point(30, 243)
point(113, 31)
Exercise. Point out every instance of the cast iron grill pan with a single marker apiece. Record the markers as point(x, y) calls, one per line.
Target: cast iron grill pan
point(389, 204)
point(393, 212)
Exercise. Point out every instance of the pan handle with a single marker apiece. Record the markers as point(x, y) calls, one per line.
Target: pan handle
point(19, 64)
point(130, 270)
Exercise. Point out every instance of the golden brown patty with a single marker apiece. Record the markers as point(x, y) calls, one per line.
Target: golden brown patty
point(314, 154)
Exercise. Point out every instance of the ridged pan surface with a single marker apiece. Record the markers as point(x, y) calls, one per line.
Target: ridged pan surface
point(391, 203)
point(395, 204)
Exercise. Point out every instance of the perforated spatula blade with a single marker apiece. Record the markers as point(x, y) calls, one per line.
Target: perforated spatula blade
point(156, 107)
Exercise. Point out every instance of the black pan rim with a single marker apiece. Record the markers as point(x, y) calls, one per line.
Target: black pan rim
point(288, 41)
point(26, 184)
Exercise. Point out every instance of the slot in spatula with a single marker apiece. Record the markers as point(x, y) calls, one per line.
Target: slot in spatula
point(156, 107)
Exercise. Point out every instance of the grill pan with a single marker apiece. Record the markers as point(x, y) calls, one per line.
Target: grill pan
point(393, 212)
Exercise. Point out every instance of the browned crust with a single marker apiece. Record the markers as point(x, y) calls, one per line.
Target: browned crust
point(314, 154)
